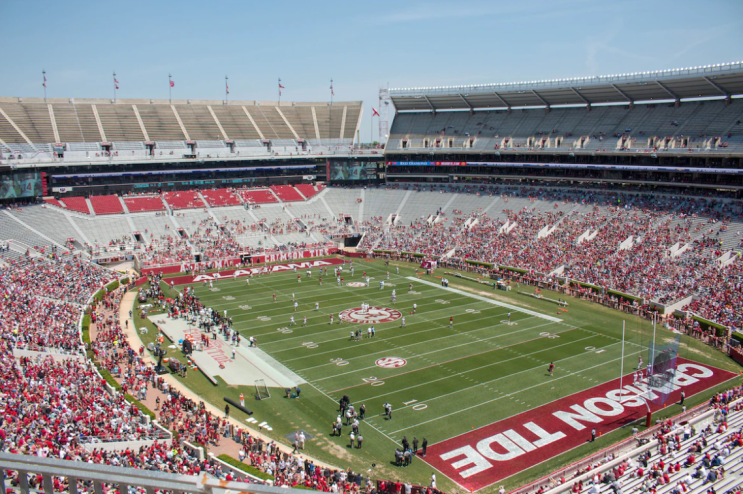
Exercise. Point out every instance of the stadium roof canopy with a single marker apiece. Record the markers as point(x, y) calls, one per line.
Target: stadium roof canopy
point(708, 81)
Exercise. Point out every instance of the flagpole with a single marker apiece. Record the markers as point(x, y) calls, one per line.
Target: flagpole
point(331, 92)
point(279, 91)
point(226, 89)
point(43, 72)
point(114, 86)
point(621, 365)
point(170, 89)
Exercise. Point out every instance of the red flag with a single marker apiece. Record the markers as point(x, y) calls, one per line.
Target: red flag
point(332, 93)
point(375, 113)
point(116, 81)
point(172, 84)
point(117, 86)
point(228, 88)
point(281, 87)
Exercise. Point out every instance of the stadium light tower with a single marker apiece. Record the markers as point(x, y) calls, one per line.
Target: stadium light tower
point(384, 106)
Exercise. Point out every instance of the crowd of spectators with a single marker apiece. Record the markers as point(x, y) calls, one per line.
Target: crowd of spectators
point(585, 235)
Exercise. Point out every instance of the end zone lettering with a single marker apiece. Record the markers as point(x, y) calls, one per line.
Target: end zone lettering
point(482, 457)
point(238, 273)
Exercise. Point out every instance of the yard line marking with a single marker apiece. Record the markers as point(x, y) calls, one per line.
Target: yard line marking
point(384, 340)
point(488, 300)
point(335, 301)
point(482, 367)
point(345, 327)
point(434, 364)
point(514, 393)
point(334, 401)
point(392, 328)
point(283, 340)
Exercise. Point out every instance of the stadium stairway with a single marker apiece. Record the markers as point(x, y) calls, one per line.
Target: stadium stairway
point(90, 206)
point(273, 192)
point(294, 219)
point(168, 209)
point(130, 221)
point(361, 205)
point(300, 193)
point(83, 237)
point(327, 206)
point(123, 205)
point(208, 208)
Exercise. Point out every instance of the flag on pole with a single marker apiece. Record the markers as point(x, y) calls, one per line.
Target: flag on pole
point(172, 84)
point(332, 93)
point(44, 83)
point(375, 113)
point(228, 88)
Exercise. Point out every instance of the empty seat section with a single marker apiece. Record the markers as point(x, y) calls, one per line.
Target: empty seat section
point(139, 204)
point(54, 202)
point(184, 199)
point(307, 190)
point(199, 122)
point(235, 122)
point(220, 197)
point(160, 122)
point(287, 193)
point(106, 204)
point(77, 204)
point(32, 119)
point(258, 196)
point(120, 123)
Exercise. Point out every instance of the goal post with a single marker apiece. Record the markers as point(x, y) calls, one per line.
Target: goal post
point(660, 374)
point(261, 390)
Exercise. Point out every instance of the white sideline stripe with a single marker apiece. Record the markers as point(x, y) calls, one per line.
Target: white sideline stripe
point(487, 300)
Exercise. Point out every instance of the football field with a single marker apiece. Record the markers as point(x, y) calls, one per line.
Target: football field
point(442, 380)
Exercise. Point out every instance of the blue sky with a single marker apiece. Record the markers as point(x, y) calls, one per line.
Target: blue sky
point(362, 46)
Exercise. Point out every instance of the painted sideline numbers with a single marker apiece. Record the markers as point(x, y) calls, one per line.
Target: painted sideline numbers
point(373, 381)
point(551, 336)
point(309, 344)
point(593, 349)
point(417, 407)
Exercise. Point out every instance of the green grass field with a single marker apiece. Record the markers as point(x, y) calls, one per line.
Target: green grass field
point(477, 372)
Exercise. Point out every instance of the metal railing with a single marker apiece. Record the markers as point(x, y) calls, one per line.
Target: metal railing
point(94, 477)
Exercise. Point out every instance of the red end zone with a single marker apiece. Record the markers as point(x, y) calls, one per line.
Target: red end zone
point(238, 273)
point(482, 457)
